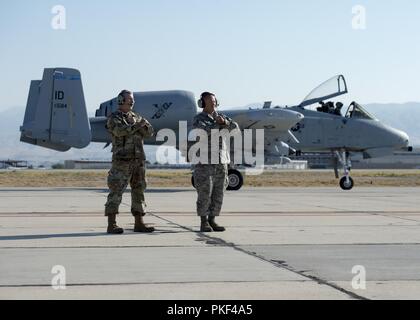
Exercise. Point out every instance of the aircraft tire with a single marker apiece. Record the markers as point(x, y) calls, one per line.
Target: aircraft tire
point(236, 180)
point(346, 186)
point(192, 181)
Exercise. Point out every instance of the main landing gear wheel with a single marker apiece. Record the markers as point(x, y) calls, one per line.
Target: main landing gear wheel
point(346, 184)
point(236, 180)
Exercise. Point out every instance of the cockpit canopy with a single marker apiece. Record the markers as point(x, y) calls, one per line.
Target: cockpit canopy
point(355, 111)
point(334, 87)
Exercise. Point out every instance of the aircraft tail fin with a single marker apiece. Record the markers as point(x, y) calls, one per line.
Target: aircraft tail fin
point(55, 115)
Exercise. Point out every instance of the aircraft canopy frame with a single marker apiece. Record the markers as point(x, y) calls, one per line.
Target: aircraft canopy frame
point(333, 87)
point(356, 111)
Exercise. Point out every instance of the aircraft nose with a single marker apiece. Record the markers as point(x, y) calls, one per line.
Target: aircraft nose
point(403, 139)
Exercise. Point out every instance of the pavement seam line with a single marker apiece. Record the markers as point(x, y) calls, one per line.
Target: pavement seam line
point(274, 263)
point(5, 286)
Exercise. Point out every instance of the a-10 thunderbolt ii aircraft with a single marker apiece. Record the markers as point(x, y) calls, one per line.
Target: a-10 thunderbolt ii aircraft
point(56, 117)
point(329, 129)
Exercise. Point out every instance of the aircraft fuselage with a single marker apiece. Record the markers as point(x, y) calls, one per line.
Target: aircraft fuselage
point(321, 132)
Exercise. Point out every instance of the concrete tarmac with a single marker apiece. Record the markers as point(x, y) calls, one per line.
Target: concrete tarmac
point(280, 243)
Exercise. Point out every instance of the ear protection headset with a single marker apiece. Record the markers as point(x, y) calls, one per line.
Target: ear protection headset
point(201, 103)
point(121, 97)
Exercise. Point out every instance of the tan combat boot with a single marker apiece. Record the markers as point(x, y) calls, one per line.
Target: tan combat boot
point(205, 226)
point(214, 225)
point(139, 225)
point(112, 225)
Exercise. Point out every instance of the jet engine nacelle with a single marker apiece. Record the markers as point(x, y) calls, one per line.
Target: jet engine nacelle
point(164, 109)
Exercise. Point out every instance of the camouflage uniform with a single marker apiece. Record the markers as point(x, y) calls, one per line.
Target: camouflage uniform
point(128, 160)
point(211, 180)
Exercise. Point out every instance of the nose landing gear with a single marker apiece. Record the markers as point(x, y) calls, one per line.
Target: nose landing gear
point(346, 182)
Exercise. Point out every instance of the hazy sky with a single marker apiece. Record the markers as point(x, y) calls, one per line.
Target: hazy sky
point(245, 51)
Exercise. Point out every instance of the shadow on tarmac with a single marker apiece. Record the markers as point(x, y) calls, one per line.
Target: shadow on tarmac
point(85, 234)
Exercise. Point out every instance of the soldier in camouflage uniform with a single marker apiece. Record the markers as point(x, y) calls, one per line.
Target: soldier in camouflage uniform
point(211, 179)
point(128, 129)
